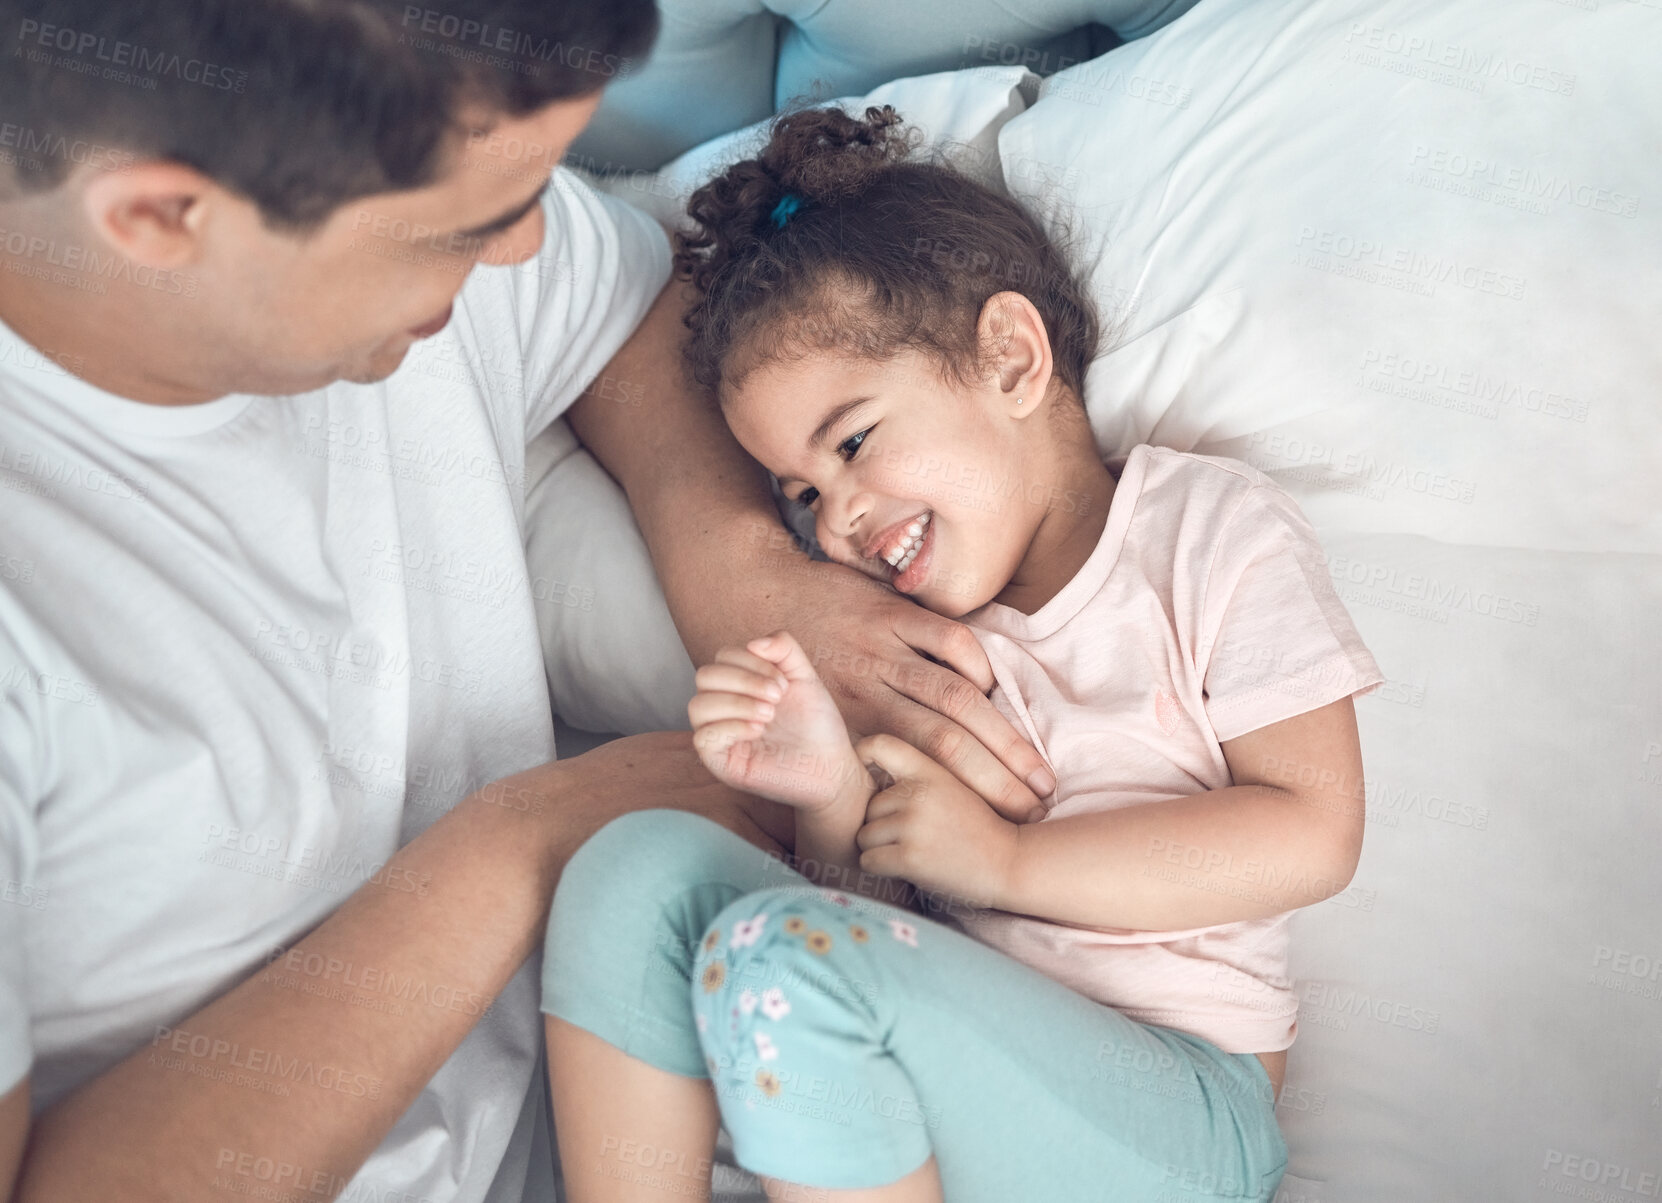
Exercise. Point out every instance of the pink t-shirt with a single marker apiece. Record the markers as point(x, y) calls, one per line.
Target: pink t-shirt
point(1206, 611)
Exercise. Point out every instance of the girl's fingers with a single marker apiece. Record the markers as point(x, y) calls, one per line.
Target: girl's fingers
point(878, 833)
point(730, 678)
point(894, 756)
point(883, 860)
point(885, 803)
point(739, 657)
point(781, 648)
point(707, 708)
point(718, 738)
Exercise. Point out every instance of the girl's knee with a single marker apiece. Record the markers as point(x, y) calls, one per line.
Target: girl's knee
point(641, 846)
point(618, 887)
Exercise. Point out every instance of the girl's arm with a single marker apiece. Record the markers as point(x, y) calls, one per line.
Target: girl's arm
point(1287, 834)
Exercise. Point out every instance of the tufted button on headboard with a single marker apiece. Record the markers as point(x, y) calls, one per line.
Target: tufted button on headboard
point(723, 64)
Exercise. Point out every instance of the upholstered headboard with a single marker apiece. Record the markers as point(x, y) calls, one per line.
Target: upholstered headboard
point(722, 64)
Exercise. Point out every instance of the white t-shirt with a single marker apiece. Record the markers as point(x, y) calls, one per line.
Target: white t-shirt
point(250, 648)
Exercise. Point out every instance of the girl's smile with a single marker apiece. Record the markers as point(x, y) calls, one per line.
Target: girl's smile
point(908, 551)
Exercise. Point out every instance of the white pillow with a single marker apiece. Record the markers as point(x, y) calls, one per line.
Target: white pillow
point(1402, 255)
point(615, 661)
point(963, 110)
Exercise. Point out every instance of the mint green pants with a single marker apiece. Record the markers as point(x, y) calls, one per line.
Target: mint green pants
point(847, 1040)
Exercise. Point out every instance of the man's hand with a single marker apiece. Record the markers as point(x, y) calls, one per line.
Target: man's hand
point(150, 1128)
point(930, 830)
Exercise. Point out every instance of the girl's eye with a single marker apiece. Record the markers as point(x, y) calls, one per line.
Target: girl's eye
point(848, 449)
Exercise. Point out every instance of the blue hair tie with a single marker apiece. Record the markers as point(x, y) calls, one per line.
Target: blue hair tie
point(788, 204)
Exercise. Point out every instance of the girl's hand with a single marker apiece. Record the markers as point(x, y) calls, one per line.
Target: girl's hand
point(932, 830)
point(764, 723)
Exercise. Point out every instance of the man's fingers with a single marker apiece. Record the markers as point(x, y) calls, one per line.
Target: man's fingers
point(959, 692)
point(952, 698)
point(948, 641)
point(928, 739)
point(963, 753)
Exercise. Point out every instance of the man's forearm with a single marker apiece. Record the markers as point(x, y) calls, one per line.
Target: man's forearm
point(209, 1097)
point(703, 505)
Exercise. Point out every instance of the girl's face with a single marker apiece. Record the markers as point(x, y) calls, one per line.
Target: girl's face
point(933, 488)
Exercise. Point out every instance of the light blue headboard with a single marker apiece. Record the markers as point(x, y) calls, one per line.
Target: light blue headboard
point(723, 64)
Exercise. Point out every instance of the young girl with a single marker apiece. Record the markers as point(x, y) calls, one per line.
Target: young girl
point(1099, 1008)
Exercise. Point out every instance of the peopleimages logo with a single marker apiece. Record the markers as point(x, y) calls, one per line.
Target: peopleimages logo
point(1326, 248)
point(458, 30)
point(1423, 587)
point(1609, 1176)
point(145, 62)
point(1382, 370)
point(37, 144)
point(1477, 66)
point(1528, 181)
point(1333, 1006)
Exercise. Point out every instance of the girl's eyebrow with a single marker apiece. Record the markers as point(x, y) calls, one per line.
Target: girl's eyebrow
point(837, 414)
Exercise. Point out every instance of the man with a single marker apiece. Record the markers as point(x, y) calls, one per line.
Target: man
point(278, 827)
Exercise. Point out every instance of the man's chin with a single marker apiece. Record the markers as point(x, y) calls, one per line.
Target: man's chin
point(377, 367)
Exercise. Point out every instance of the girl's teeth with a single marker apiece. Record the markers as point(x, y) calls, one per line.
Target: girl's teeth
point(909, 546)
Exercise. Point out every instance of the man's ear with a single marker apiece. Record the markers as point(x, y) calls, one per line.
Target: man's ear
point(1014, 334)
point(152, 212)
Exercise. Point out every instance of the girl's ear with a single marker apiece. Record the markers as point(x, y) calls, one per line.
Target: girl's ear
point(1017, 348)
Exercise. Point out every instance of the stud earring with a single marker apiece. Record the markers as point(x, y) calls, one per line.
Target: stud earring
point(1019, 400)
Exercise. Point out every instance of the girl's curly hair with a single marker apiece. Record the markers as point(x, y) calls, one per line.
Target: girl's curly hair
point(877, 253)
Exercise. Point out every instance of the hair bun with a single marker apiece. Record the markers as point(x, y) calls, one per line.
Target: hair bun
point(818, 155)
point(824, 154)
